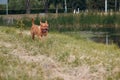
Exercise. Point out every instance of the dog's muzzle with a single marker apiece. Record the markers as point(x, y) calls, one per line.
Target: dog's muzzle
point(44, 30)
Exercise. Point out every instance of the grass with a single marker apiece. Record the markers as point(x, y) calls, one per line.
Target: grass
point(69, 22)
point(11, 68)
point(59, 56)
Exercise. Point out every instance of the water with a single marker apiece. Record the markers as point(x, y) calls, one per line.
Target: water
point(99, 37)
point(107, 39)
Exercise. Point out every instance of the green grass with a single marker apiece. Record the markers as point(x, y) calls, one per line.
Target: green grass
point(19, 55)
point(70, 22)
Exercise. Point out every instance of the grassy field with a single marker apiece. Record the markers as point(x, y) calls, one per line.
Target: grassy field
point(59, 56)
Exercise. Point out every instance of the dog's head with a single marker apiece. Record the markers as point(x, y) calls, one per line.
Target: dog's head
point(44, 27)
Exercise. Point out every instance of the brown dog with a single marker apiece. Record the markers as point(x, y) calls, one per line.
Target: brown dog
point(39, 30)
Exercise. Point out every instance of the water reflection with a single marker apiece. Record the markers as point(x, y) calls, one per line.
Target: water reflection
point(107, 38)
point(116, 39)
point(99, 37)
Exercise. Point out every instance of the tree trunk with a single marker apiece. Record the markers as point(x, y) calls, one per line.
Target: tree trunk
point(27, 2)
point(56, 9)
point(46, 6)
point(115, 5)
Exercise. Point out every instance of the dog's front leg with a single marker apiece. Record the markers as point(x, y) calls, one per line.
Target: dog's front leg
point(40, 37)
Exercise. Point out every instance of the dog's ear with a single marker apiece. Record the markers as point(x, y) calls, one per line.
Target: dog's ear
point(46, 22)
point(40, 23)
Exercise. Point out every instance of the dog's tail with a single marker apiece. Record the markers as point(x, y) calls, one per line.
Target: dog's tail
point(32, 21)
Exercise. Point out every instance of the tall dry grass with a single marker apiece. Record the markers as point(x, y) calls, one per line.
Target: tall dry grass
point(59, 56)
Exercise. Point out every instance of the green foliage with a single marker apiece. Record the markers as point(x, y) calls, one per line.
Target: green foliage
point(1, 20)
point(27, 22)
point(109, 19)
point(74, 22)
point(20, 25)
point(9, 30)
point(19, 6)
point(37, 20)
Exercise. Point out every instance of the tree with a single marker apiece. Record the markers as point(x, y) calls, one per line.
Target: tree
point(60, 4)
point(27, 3)
point(56, 2)
point(75, 4)
point(95, 4)
point(16, 4)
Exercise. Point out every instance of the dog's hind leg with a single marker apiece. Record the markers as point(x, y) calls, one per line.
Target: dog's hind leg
point(33, 36)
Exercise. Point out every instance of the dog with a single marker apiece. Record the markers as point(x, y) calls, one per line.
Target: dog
point(39, 30)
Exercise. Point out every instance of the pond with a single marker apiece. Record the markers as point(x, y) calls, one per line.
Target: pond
point(99, 37)
point(107, 38)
